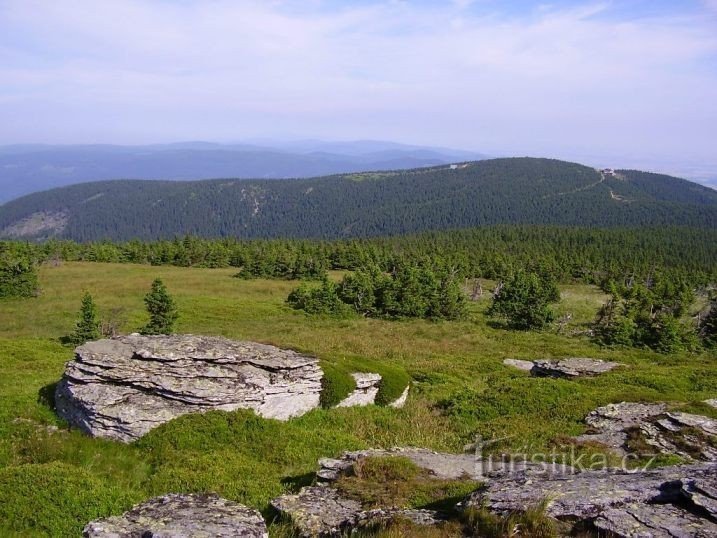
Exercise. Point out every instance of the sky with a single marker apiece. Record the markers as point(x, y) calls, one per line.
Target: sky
point(608, 80)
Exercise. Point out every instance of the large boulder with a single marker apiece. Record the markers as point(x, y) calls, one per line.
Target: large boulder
point(122, 388)
point(182, 516)
point(665, 502)
point(625, 426)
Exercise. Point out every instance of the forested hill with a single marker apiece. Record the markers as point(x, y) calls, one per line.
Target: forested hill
point(497, 191)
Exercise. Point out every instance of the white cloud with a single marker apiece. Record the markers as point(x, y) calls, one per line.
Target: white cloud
point(452, 73)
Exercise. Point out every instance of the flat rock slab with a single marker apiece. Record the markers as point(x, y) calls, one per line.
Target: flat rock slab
point(688, 436)
point(571, 368)
point(322, 511)
point(659, 502)
point(439, 464)
point(182, 516)
point(124, 387)
point(526, 366)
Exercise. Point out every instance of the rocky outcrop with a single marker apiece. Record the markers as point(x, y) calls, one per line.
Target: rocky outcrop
point(663, 502)
point(182, 516)
point(571, 368)
point(438, 464)
point(322, 511)
point(124, 387)
point(565, 368)
point(711, 402)
point(626, 426)
point(365, 393)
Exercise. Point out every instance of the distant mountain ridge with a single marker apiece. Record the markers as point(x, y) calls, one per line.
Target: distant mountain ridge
point(495, 191)
point(35, 167)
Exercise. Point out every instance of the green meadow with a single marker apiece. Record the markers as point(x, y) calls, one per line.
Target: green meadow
point(53, 480)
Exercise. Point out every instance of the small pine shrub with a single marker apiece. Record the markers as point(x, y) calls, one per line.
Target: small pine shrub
point(323, 300)
point(18, 278)
point(162, 310)
point(708, 327)
point(524, 301)
point(88, 324)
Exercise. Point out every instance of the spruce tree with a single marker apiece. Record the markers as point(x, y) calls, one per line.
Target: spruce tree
point(162, 310)
point(524, 301)
point(708, 327)
point(88, 324)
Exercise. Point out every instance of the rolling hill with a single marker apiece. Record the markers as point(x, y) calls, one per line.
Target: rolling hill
point(496, 191)
point(30, 168)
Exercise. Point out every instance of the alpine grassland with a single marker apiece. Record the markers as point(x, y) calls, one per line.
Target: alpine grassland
point(54, 480)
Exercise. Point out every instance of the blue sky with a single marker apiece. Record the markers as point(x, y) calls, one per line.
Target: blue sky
point(605, 80)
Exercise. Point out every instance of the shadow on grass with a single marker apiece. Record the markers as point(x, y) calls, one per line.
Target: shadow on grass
point(295, 483)
point(46, 396)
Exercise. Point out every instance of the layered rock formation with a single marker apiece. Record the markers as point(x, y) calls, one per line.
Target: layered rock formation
point(566, 368)
point(124, 387)
point(625, 427)
point(182, 516)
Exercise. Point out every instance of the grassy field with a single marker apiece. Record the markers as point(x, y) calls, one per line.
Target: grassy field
point(53, 481)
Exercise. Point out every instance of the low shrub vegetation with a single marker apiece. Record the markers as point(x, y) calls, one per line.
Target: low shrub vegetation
point(460, 389)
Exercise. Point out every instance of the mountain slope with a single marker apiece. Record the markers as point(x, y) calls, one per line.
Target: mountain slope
point(521, 190)
point(32, 168)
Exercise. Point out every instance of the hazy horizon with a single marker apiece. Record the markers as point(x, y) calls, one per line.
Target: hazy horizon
point(629, 83)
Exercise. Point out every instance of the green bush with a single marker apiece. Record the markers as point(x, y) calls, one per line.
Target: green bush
point(55, 499)
point(524, 301)
point(18, 277)
point(323, 299)
point(411, 290)
point(642, 315)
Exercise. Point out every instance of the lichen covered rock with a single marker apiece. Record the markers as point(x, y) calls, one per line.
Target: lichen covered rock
point(182, 516)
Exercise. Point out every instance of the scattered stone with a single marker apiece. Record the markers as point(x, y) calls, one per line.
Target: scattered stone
point(439, 464)
point(681, 434)
point(669, 501)
point(367, 386)
point(526, 366)
point(182, 516)
point(322, 511)
point(319, 511)
point(124, 387)
point(571, 368)
point(712, 402)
